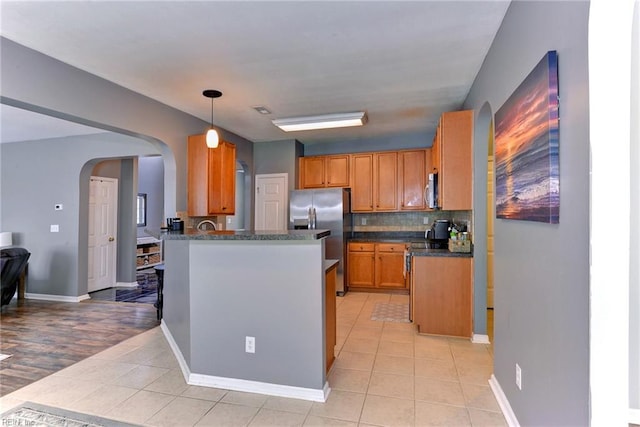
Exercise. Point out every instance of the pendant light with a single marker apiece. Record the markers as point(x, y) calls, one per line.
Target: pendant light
point(212, 134)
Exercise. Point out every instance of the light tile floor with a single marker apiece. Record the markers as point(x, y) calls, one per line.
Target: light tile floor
point(385, 374)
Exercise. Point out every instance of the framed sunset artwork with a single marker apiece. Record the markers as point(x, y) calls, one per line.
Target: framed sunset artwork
point(527, 148)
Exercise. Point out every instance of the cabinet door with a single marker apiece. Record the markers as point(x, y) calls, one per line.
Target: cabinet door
point(413, 179)
point(361, 264)
point(312, 173)
point(197, 176)
point(442, 288)
point(362, 182)
point(385, 178)
point(222, 179)
point(337, 171)
point(456, 160)
point(435, 150)
point(389, 266)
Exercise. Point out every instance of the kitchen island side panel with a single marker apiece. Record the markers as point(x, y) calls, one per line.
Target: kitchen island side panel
point(175, 315)
point(270, 290)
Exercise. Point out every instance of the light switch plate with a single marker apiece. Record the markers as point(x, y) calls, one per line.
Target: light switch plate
point(55, 228)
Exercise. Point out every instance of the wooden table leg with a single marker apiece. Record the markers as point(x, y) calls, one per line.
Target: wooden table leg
point(22, 282)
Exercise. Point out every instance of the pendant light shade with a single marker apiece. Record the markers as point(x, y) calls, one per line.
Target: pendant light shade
point(212, 138)
point(212, 135)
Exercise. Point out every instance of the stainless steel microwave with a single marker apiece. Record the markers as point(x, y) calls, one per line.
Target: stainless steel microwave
point(431, 192)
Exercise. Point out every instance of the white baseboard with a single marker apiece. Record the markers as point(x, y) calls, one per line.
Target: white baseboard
point(57, 298)
point(235, 384)
point(186, 372)
point(127, 284)
point(269, 389)
point(503, 402)
point(634, 416)
point(480, 339)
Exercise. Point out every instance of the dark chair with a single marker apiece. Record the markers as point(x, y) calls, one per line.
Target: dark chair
point(159, 302)
point(13, 262)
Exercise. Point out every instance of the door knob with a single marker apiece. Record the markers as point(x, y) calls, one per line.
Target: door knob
point(111, 238)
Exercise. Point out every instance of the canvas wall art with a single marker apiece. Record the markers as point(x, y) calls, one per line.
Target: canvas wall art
point(527, 148)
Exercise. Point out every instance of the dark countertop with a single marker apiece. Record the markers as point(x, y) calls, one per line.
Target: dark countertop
point(440, 253)
point(418, 245)
point(192, 234)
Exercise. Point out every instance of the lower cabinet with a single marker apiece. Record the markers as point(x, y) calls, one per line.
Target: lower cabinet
point(442, 295)
point(330, 324)
point(376, 266)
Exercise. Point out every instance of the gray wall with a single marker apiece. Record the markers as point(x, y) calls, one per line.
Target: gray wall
point(28, 80)
point(278, 157)
point(541, 270)
point(30, 189)
point(150, 182)
point(386, 143)
point(634, 289)
point(224, 303)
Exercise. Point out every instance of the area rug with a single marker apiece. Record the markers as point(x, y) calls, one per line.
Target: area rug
point(34, 414)
point(390, 312)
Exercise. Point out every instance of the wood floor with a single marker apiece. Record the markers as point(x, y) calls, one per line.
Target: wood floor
point(43, 337)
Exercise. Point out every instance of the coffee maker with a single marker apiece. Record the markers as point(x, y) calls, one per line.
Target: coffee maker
point(438, 235)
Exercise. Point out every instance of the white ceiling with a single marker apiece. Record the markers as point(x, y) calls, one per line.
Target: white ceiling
point(402, 62)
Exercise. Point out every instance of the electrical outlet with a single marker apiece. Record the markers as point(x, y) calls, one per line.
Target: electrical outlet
point(250, 345)
point(364, 221)
point(425, 220)
point(58, 206)
point(55, 228)
point(518, 377)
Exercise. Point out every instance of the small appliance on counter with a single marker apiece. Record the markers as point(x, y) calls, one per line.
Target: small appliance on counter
point(175, 224)
point(438, 235)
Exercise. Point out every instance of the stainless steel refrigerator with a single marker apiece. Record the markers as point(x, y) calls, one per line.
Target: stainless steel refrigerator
point(326, 208)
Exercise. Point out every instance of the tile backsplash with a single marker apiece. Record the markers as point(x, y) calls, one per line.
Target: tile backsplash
point(407, 221)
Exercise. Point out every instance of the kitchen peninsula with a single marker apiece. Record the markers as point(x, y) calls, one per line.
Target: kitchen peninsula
point(224, 288)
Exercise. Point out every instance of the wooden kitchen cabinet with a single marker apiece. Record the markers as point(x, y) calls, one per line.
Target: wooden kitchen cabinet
point(413, 167)
point(362, 182)
point(376, 266)
point(211, 178)
point(389, 266)
point(374, 182)
point(452, 158)
point(324, 171)
point(385, 181)
point(330, 323)
point(361, 262)
point(442, 295)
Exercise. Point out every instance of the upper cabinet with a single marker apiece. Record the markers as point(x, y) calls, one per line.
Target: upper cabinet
point(362, 182)
point(413, 167)
point(374, 182)
point(211, 184)
point(324, 171)
point(385, 181)
point(452, 159)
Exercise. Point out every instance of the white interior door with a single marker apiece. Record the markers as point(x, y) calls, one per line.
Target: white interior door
point(103, 210)
point(271, 201)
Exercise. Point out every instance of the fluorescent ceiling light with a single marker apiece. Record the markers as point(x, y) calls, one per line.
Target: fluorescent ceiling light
point(326, 121)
